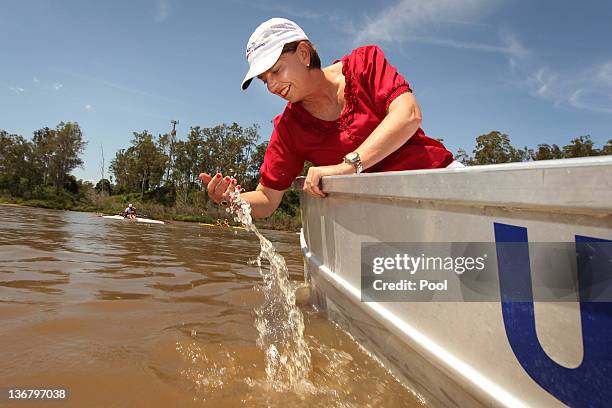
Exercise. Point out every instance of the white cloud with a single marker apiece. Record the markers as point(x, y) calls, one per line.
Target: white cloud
point(592, 99)
point(512, 47)
point(603, 73)
point(16, 89)
point(57, 86)
point(422, 22)
point(512, 50)
point(88, 107)
point(592, 89)
point(408, 18)
point(542, 82)
point(35, 80)
point(589, 89)
point(162, 10)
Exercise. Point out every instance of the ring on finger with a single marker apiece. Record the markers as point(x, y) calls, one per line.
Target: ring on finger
point(224, 203)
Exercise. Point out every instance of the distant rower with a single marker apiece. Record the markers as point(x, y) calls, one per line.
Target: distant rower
point(130, 212)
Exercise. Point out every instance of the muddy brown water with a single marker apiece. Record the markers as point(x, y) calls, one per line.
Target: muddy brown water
point(135, 315)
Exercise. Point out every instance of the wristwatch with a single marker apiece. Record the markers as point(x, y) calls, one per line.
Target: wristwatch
point(354, 160)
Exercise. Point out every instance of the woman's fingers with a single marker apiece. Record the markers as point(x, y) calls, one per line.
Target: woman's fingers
point(311, 185)
point(231, 187)
point(205, 178)
point(222, 186)
point(212, 184)
point(218, 187)
point(315, 186)
point(316, 191)
point(222, 191)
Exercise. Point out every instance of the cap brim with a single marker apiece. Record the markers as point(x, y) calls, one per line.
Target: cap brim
point(260, 66)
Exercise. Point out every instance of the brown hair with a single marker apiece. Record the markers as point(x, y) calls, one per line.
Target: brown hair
point(315, 61)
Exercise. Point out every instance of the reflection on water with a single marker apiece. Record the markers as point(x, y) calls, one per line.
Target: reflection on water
point(138, 315)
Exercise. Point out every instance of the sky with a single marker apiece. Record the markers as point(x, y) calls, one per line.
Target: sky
point(539, 71)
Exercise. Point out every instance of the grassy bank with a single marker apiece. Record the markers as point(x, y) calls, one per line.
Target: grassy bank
point(108, 205)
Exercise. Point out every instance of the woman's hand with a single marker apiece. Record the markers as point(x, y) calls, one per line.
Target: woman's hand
point(219, 187)
point(315, 173)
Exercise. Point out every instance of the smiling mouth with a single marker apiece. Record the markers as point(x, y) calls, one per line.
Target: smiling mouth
point(285, 91)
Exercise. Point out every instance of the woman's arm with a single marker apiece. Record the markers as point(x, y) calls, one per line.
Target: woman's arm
point(402, 121)
point(263, 200)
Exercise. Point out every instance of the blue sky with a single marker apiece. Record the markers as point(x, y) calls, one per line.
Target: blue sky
point(540, 71)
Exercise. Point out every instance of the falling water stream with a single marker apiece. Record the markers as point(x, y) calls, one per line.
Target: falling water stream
point(279, 321)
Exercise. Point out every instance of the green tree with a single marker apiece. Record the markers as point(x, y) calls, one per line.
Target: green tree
point(67, 146)
point(15, 164)
point(581, 146)
point(194, 153)
point(521, 155)
point(495, 147)
point(149, 163)
point(548, 152)
point(29, 166)
point(228, 149)
point(123, 167)
point(254, 164)
point(463, 157)
point(141, 166)
point(166, 145)
point(182, 168)
point(44, 143)
point(607, 149)
point(104, 186)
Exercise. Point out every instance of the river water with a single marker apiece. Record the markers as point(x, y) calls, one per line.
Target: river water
point(136, 315)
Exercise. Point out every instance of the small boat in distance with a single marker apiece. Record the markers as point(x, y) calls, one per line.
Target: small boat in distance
point(137, 219)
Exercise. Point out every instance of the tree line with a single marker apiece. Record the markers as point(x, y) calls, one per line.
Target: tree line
point(164, 169)
point(42, 165)
point(165, 162)
point(495, 147)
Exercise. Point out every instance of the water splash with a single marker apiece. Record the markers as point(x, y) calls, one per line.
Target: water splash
point(279, 321)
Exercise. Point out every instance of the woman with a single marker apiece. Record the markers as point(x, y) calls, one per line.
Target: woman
point(357, 114)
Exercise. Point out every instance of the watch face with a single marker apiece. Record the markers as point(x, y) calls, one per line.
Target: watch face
point(352, 156)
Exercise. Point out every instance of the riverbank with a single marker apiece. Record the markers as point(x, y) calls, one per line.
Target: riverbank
point(110, 205)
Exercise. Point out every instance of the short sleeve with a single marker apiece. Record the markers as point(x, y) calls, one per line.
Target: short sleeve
point(380, 79)
point(281, 164)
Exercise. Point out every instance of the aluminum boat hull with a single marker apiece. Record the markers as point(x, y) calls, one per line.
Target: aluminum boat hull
point(469, 353)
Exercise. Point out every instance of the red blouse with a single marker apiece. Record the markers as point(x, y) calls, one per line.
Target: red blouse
point(371, 84)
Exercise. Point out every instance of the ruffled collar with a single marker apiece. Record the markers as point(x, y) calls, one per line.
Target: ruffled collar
point(341, 124)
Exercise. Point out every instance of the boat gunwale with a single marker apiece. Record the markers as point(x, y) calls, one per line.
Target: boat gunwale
point(532, 186)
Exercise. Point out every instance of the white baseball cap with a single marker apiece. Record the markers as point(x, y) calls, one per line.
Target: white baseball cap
point(266, 45)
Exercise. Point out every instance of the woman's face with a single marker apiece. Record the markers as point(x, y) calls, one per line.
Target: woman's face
point(288, 78)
